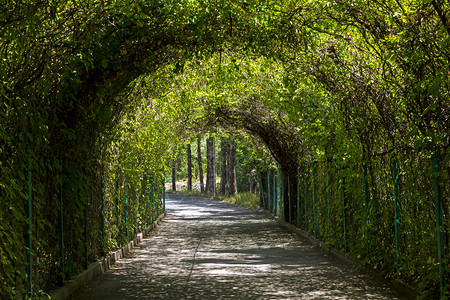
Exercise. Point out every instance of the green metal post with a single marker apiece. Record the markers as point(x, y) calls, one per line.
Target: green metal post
point(289, 199)
point(397, 213)
point(146, 213)
point(135, 213)
point(329, 200)
point(298, 197)
point(117, 211)
point(439, 223)
point(85, 234)
point(367, 198)
point(61, 231)
point(281, 196)
point(158, 202)
point(344, 208)
point(151, 203)
point(103, 212)
point(279, 193)
point(268, 191)
point(274, 194)
point(306, 198)
point(126, 207)
point(145, 199)
point(314, 201)
point(139, 208)
point(28, 229)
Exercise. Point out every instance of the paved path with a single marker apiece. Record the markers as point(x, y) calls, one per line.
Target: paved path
point(213, 250)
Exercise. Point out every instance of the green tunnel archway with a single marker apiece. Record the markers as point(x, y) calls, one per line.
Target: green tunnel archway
point(84, 83)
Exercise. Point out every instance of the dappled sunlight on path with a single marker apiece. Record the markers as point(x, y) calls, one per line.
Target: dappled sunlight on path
point(213, 250)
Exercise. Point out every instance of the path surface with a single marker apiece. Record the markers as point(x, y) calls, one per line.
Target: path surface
point(213, 250)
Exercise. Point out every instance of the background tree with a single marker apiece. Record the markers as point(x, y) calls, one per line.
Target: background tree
point(211, 166)
point(174, 175)
point(200, 165)
point(189, 166)
point(231, 188)
point(223, 167)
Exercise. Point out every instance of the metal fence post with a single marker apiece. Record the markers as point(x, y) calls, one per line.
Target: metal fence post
point(439, 223)
point(298, 197)
point(329, 199)
point(135, 213)
point(344, 209)
point(103, 211)
point(306, 198)
point(268, 191)
point(28, 230)
point(145, 199)
point(367, 198)
point(158, 202)
point(61, 230)
point(151, 202)
point(274, 194)
point(279, 181)
point(316, 229)
point(117, 211)
point(289, 199)
point(397, 213)
point(85, 234)
point(126, 206)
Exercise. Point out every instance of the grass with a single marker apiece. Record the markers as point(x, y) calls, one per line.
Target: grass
point(188, 193)
point(244, 200)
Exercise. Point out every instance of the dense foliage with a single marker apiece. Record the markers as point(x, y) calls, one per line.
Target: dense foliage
point(116, 87)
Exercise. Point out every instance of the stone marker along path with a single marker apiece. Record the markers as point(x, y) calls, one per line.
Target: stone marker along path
point(213, 250)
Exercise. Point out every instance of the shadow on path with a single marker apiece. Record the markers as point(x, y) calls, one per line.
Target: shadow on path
point(213, 250)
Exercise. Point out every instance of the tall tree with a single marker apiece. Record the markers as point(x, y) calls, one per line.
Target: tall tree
point(189, 163)
point(210, 168)
point(253, 182)
point(174, 175)
point(231, 182)
point(200, 165)
point(223, 168)
point(207, 165)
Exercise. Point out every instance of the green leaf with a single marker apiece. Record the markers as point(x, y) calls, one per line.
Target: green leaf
point(430, 108)
point(105, 63)
point(435, 86)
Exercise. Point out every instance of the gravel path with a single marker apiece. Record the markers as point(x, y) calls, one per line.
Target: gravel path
point(213, 250)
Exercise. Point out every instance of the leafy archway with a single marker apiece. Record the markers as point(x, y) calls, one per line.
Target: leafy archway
point(89, 84)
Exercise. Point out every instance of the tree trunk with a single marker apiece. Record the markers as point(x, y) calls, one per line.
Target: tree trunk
point(231, 182)
point(223, 168)
point(210, 168)
point(253, 182)
point(189, 162)
point(174, 175)
point(200, 166)
point(208, 165)
point(214, 166)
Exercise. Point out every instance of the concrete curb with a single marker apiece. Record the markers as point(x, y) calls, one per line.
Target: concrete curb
point(397, 285)
point(96, 269)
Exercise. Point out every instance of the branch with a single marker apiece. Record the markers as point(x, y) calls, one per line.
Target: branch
point(441, 14)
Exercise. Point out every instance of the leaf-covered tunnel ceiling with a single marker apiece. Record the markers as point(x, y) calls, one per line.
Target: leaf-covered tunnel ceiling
point(72, 70)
